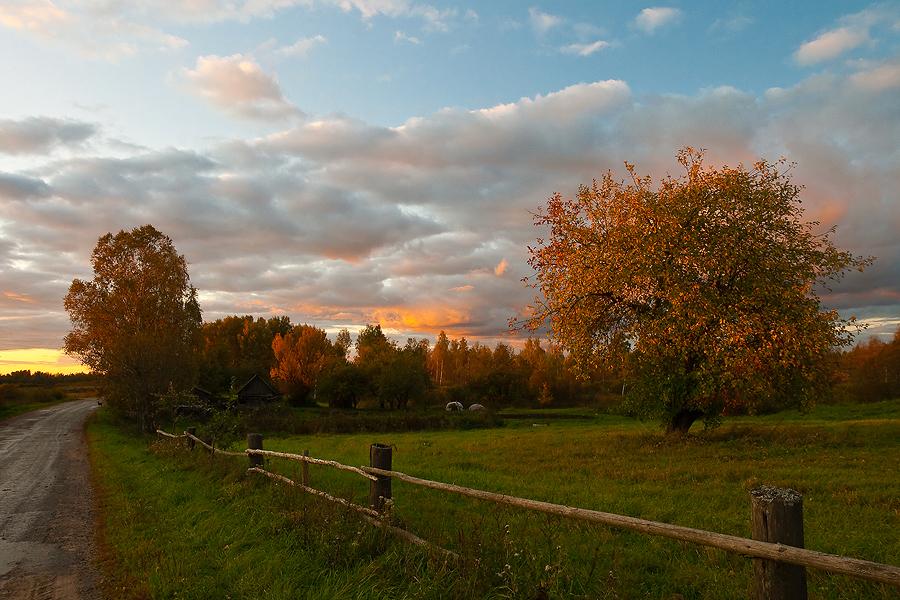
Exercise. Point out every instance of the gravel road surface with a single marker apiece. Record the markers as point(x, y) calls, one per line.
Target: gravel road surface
point(46, 505)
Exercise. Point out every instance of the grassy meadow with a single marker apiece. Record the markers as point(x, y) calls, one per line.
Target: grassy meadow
point(201, 527)
point(21, 397)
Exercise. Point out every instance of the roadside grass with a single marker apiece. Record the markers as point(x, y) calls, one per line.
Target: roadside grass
point(8, 411)
point(19, 398)
point(187, 525)
point(842, 458)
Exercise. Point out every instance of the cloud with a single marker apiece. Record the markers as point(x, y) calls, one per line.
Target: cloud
point(653, 18)
point(16, 187)
point(238, 85)
point(732, 24)
point(114, 30)
point(829, 45)
point(851, 31)
point(92, 30)
point(41, 135)
point(879, 78)
point(425, 225)
point(585, 49)
point(400, 37)
point(302, 47)
point(543, 22)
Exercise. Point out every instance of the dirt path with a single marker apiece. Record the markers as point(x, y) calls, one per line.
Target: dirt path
point(46, 505)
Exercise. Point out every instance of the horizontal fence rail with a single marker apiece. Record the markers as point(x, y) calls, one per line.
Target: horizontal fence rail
point(757, 549)
point(310, 460)
point(779, 552)
point(370, 515)
point(361, 509)
point(210, 447)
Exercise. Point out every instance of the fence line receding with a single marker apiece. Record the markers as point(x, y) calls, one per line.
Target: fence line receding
point(778, 566)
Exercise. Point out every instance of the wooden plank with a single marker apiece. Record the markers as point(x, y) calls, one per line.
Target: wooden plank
point(211, 448)
point(367, 513)
point(320, 493)
point(168, 435)
point(314, 461)
point(854, 567)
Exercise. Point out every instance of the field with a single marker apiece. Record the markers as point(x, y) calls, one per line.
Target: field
point(200, 527)
point(18, 398)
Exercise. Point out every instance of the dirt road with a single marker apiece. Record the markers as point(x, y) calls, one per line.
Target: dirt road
point(46, 505)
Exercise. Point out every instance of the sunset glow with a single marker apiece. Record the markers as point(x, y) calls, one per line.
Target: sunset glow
point(345, 163)
point(48, 360)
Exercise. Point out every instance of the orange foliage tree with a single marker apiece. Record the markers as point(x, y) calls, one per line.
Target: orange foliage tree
point(137, 322)
point(703, 287)
point(301, 358)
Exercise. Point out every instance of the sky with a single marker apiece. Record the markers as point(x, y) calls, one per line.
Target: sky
point(346, 162)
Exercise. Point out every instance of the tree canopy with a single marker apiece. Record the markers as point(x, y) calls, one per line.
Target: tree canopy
point(704, 288)
point(302, 356)
point(137, 322)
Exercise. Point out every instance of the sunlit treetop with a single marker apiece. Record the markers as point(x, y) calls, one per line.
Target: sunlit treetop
point(704, 287)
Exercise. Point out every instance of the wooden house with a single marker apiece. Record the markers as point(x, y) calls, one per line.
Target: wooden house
point(257, 391)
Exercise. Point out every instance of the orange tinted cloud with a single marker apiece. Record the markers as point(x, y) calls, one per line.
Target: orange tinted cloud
point(19, 297)
point(422, 319)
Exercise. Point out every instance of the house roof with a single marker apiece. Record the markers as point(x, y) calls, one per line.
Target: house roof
point(260, 380)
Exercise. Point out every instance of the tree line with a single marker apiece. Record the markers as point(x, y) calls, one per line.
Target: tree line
point(309, 367)
point(869, 372)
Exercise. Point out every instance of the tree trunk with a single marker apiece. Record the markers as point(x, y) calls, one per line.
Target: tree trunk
point(682, 420)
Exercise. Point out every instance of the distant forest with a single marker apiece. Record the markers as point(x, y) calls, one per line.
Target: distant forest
point(376, 371)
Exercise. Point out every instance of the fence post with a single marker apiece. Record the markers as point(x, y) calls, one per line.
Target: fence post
point(305, 479)
point(255, 442)
point(190, 441)
point(380, 489)
point(777, 517)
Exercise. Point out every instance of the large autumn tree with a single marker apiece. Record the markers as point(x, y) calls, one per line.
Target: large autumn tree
point(704, 287)
point(137, 322)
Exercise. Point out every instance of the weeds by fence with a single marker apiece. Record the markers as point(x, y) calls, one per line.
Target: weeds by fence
point(779, 557)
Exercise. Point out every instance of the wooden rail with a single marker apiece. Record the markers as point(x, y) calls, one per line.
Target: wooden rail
point(765, 551)
point(864, 569)
point(212, 449)
point(371, 516)
point(314, 491)
point(309, 459)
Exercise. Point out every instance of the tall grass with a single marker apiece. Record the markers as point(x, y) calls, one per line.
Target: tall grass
point(189, 506)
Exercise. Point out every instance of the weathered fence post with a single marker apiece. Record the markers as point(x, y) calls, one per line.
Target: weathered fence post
point(305, 479)
point(777, 517)
point(255, 442)
point(380, 489)
point(190, 441)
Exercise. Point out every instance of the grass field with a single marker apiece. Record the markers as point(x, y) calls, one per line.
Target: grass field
point(17, 399)
point(172, 515)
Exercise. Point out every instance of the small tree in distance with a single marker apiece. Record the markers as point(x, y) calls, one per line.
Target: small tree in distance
point(302, 356)
point(704, 288)
point(137, 322)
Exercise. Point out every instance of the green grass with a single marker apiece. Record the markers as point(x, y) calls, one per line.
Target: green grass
point(842, 458)
point(179, 524)
point(8, 411)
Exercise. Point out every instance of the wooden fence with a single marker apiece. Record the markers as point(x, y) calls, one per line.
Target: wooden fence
point(779, 558)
